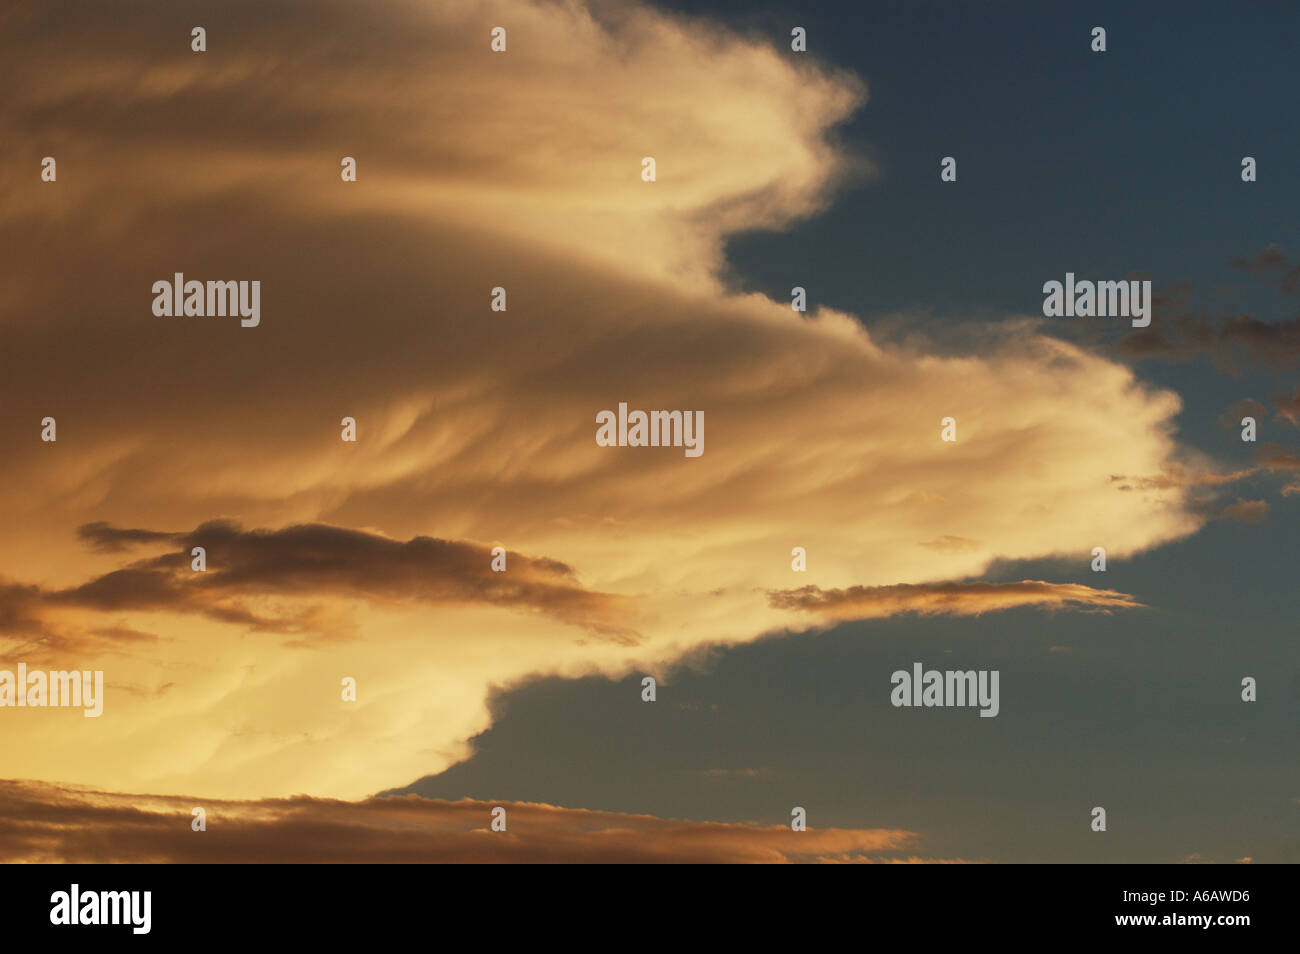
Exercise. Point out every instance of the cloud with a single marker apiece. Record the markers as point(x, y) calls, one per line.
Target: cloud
point(48, 824)
point(305, 562)
point(1204, 486)
point(949, 542)
point(1275, 457)
point(1246, 511)
point(1180, 331)
point(108, 539)
point(1271, 264)
point(948, 599)
point(1288, 407)
point(555, 128)
point(1241, 339)
point(1246, 407)
point(519, 170)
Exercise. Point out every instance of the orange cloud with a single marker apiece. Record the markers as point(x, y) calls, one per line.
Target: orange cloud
point(522, 171)
point(947, 599)
point(1246, 511)
point(44, 823)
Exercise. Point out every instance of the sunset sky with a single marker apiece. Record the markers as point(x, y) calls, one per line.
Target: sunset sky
point(476, 429)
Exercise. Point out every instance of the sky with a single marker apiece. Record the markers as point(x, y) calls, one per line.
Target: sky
point(373, 560)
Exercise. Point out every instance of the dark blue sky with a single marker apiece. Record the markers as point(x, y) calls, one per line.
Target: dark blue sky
point(1067, 159)
point(1104, 165)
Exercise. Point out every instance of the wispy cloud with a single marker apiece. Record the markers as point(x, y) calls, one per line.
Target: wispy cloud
point(519, 170)
point(948, 599)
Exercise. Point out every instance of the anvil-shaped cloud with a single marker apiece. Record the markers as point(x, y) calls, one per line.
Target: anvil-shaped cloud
point(476, 170)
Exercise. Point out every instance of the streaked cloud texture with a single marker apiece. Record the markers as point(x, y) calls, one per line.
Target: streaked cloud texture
point(43, 823)
point(476, 428)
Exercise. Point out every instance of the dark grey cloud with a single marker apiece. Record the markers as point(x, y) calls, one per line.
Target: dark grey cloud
point(1271, 265)
point(1180, 331)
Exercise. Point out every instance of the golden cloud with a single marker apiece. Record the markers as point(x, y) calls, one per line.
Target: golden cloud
point(46, 824)
point(475, 170)
point(948, 599)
